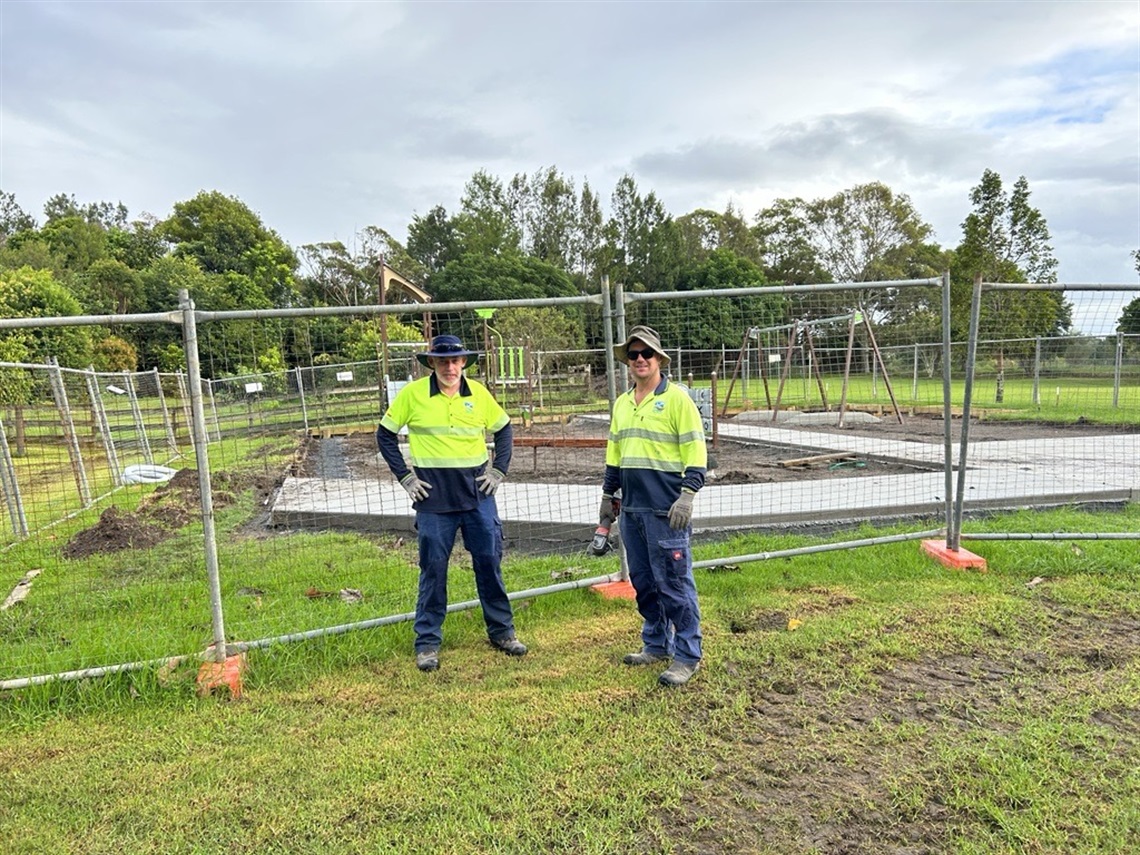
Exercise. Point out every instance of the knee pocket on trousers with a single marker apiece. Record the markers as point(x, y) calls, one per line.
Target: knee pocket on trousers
point(676, 554)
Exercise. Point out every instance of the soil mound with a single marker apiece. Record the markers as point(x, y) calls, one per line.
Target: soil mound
point(116, 531)
point(175, 504)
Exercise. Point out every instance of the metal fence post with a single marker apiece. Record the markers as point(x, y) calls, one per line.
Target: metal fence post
point(171, 442)
point(608, 338)
point(1116, 370)
point(65, 420)
point(11, 487)
point(184, 397)
point(301, 392)
point(104, 426)
point(136, 412)
point(209, 535)
point(947, 411)
point(213, 406)
point(619, 315)
point(914, 381)
point(1037, 372)
point(967, 394)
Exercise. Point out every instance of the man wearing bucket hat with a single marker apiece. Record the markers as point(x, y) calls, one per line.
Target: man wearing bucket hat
point(452, 486)
point(656, 455)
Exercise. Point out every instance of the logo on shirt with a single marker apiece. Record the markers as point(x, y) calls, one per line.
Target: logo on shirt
point(468, 406)
point(659, 405)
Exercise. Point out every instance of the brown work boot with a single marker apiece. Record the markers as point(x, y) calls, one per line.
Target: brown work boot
point(509, 645)
point(678, 673)
point(643, 657)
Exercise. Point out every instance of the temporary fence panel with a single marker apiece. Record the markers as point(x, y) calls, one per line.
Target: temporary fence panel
point(828, 406)
point(1054, 416)
point(92, 542)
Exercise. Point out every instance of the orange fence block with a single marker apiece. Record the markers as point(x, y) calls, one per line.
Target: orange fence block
point(615, 590)
point(226, 674)
point(958, 559)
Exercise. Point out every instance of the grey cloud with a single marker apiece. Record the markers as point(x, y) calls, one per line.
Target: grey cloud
point(849, 142)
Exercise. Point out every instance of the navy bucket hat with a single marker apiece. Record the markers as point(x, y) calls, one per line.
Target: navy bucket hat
point(448, 346)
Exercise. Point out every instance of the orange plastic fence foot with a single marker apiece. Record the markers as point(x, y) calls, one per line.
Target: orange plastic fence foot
point(226, 674)
point(615, 590)
point(958, 559)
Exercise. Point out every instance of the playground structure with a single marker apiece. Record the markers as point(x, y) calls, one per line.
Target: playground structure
point(803, 327)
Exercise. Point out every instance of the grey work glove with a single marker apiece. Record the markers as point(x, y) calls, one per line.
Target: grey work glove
point(416, 488)
point(606, 515)
point(489, 481)
point(681, 513)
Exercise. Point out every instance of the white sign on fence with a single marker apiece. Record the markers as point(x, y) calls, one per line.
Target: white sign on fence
point(253, 388)
point(344, 376)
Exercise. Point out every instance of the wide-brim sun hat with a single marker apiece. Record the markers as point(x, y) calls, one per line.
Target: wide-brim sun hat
point(448, 346)
point(648, 336)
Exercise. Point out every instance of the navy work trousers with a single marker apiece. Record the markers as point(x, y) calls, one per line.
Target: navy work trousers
point(483, 538)
point(661, 572)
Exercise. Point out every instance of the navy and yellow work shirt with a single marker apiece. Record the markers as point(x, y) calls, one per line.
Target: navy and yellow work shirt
point(655, 448)
point(446, 440)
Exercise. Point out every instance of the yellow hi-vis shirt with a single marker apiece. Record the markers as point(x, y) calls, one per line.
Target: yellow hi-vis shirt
point(657, 447)
point(446, 440)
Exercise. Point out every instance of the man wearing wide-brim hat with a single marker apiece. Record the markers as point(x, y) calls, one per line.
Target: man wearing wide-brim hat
point(656, 456)
point(452, 484)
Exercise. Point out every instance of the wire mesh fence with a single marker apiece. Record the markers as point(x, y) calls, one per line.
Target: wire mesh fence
point(1072, 403)
point(824, 407)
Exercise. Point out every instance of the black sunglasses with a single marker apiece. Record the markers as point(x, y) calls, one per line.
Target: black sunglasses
point(645, 354)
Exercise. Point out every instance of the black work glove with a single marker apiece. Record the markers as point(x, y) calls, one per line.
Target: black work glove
point(606, 514)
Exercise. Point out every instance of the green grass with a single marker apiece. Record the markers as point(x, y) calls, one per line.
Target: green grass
point(1059, 399)
point(340, 745)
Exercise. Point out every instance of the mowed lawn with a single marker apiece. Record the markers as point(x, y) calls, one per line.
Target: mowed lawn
point(865, 701)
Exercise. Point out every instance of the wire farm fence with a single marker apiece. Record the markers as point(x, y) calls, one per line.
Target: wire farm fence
point(824, 406)
point(71, 436)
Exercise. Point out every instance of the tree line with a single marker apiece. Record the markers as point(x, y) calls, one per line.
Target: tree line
point(531, 236)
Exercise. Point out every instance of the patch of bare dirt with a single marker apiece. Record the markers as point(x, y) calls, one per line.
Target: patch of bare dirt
point(817, 771)
point(170, 507)
point(115, 531)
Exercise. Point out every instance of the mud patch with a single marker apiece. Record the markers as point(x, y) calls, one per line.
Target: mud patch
point(818, 768)
point(172, 506)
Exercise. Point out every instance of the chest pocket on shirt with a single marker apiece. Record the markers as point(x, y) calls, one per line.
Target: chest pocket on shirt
point(466, 416)
point(655, 416)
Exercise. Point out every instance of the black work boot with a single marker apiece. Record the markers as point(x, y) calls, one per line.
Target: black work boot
point(678, 673)
point(644, 657)
point(509, 645)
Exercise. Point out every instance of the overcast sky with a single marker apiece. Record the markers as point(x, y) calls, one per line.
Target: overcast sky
point(328, 117)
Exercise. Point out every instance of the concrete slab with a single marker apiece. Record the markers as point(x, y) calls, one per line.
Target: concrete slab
point(1001, 475)
point(792, 417)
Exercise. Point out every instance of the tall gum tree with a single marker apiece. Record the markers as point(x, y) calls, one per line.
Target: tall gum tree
point(1005, 239)
point(863, 234)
